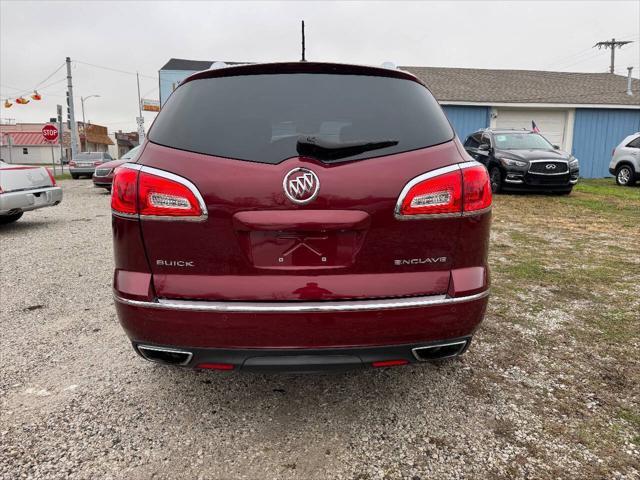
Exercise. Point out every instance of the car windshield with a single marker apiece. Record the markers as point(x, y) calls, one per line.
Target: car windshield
point(89, 156)
point(131, 153)
point(521, 141)
point(268, 117)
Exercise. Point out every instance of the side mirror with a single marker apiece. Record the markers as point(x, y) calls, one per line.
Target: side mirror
point(556, 147)
point(484, 146)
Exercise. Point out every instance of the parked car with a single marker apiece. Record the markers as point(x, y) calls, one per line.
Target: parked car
point(523, 160)
point(625, 161)
point(24, 188)
point(103, 176)
point(85, 163)
point(301, 216)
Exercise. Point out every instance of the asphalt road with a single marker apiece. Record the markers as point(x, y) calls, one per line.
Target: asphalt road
point(76, 402)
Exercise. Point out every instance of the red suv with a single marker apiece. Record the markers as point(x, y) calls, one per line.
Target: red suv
point(301, 216)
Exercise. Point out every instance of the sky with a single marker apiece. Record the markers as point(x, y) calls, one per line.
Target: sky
point(121, 38)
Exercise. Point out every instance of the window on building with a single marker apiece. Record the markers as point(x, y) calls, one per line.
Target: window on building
point(25, 151)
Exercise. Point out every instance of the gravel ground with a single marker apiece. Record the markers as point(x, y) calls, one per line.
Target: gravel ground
point(76, 402)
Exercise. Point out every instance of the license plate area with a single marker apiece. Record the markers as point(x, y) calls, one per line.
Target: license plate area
point(302, 249)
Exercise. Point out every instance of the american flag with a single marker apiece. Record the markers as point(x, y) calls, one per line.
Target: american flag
point(534, 127)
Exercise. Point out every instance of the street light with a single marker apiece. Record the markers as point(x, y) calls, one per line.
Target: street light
point(84, 124)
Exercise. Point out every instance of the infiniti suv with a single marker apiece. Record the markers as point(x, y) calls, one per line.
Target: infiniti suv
point(300, 217)
point(523, 160)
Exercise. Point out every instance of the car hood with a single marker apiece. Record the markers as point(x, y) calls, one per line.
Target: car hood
point(113, 163)
point(527, 155)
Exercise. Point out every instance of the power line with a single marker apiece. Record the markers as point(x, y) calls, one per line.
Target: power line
point(115, 69)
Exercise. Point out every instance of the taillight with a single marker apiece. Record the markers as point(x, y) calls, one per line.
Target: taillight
point(124, 191)
point(95, 164)
point(438, 195)
point(476, 189)
point(72, 163)
point(451, 191)
point(53, 180)
point(151, 193)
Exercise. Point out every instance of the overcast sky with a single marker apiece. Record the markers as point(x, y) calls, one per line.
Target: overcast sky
point(35, 38)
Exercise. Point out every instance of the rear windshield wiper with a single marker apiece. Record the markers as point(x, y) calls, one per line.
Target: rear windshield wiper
point(323, 149)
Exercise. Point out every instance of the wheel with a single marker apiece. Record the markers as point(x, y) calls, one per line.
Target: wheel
point(4, 219)
point(625, 175)
point(495, 176)
point(75, 176)
point(108, 189)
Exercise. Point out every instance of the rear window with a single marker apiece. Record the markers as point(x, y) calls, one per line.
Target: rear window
point(260, 117)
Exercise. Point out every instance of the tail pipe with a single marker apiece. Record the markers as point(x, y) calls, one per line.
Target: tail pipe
point(168, 356)
point(441, 351)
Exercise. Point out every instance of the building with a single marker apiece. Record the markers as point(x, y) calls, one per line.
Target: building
point(176, 70)
point(125, 141)
point(586, 114)
point(23, 143)
point(93, 138)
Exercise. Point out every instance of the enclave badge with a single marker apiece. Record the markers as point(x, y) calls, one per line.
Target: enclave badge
point(301, 185)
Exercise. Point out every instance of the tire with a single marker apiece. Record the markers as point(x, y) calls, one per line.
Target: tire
point(108, 189)
point(495, 177)
point(4, 219)
point(75, 176)
point(625, 175)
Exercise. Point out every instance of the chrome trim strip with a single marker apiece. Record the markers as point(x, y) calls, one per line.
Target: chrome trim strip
point(460, 342)
point(425, 176)
point(298, 307)
point(170, 176)
point(164, 349)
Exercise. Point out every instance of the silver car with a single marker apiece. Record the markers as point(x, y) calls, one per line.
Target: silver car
point(625, 160)
point(85, 163)
point(24, 188)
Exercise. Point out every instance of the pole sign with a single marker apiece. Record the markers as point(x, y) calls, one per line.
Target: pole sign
point(50, 133)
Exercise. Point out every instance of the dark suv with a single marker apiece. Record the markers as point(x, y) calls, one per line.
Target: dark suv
point(300, 216)
point(523, 160)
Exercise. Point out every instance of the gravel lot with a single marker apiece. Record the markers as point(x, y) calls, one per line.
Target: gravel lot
point(547, 390)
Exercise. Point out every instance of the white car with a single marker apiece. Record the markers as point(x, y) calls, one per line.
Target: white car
point(625, 160)
point(24, 188)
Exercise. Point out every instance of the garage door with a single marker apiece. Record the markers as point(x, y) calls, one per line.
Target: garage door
point(550, 122)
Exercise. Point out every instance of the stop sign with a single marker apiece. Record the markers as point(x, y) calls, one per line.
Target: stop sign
point(50, 133)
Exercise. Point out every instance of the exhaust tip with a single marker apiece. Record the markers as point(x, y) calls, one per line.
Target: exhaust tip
point(440, 351)
point(167, 356)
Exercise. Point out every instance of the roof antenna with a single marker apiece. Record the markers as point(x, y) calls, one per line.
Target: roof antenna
point(303, 57)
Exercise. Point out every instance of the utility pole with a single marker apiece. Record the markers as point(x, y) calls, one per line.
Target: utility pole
point(72, 116)
point(612, 45)
point(59, 112)
point(140, 119)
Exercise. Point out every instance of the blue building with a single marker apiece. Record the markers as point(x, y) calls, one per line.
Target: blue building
point(587, 114)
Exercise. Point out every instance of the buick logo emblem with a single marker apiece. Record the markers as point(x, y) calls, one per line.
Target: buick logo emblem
point(550, 166)
point(301, 185)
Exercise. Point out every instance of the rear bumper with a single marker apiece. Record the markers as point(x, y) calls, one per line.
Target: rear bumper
point(25, 200)
point(82, 170)
point(218, 330)
point(310, 360)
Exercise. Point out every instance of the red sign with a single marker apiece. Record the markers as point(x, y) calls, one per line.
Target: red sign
point(50, 133)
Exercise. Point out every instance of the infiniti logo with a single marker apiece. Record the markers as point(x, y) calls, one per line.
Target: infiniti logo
point(301, 185)
point(550, 166)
